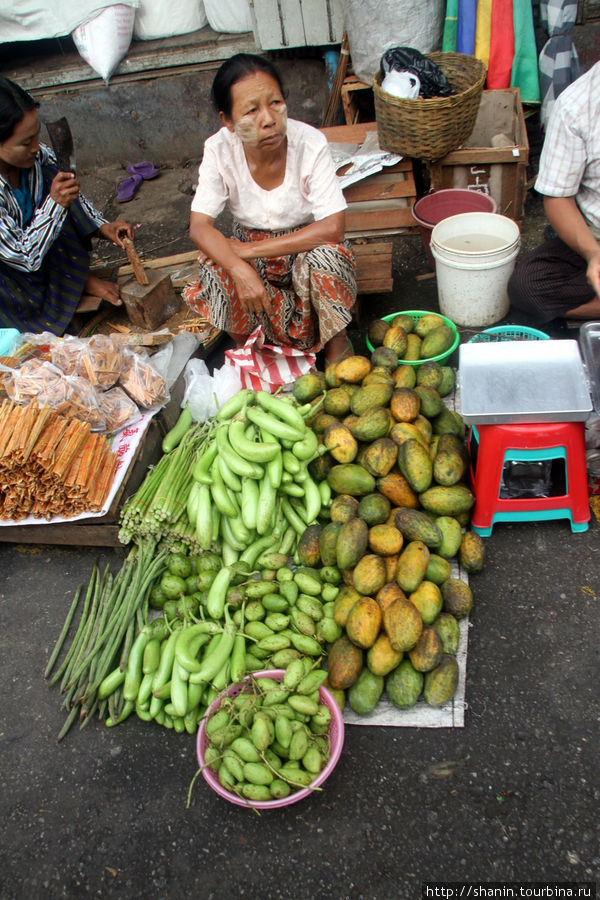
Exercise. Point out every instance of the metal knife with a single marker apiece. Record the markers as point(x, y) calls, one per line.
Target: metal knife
point(61, 139)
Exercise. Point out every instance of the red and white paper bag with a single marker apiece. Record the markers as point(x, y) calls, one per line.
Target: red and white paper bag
point(266, 367)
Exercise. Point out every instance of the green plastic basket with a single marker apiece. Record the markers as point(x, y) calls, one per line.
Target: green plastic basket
point(509, 333)
point(417, 314)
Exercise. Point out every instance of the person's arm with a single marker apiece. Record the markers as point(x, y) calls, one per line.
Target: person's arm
point(217, 248)
point(25, 248)
point(329, 230)
point(571, 227)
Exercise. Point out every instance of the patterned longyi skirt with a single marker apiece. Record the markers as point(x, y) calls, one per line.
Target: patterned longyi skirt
point(312, 294)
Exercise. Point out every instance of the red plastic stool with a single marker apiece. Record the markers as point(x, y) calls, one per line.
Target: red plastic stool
point(543, 440)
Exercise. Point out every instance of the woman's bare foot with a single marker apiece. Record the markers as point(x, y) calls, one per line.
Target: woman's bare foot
point(106, 290)
point(338, 348)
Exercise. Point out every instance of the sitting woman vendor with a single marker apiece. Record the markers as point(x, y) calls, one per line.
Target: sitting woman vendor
point(45, 227)
point(287, 266)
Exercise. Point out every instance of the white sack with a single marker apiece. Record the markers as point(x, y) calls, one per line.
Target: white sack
point(35, 20)
point(105, 39)
point(156, 19)
point(373, 26)
point(228, 15)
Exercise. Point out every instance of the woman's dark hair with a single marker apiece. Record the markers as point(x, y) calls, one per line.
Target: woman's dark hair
point(234, 69)
point(14, 103)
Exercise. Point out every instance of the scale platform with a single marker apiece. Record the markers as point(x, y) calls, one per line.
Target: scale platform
point(522, 381)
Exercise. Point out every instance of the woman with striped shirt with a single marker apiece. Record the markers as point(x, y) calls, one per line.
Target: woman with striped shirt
point(45, 227)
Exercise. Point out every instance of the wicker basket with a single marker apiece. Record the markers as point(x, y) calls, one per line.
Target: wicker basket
point(429, 129)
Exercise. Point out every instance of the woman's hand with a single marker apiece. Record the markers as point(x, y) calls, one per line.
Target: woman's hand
point(64, 189)
point(116, 231)
point(251, 291)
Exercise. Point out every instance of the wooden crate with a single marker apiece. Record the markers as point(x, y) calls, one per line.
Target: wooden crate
point(380, 204)
point(350, 88)
point(373, 267)
point(500, 171)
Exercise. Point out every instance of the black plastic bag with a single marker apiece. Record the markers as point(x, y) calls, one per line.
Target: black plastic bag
point(406, 59)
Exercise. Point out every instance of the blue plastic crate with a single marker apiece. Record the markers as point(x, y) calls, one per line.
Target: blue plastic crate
point(7, 340)
point(510, 333)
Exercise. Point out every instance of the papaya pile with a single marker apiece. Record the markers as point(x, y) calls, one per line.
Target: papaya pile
point(394, 456)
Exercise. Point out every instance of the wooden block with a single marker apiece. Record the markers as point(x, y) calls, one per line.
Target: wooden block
point(149, 305)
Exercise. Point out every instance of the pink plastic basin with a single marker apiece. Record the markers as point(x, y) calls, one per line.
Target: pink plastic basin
point(438, 205)
point(336, 741)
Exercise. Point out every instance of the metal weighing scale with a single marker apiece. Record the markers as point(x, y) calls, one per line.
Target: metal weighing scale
point(522, 382)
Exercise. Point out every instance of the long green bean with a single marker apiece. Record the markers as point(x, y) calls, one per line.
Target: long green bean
point(65, 630)
point(72, 649)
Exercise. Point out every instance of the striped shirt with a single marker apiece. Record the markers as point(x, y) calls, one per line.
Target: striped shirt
point(25, 248)
point(570, 160)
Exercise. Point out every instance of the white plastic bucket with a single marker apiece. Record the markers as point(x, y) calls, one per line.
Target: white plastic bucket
point(474, 258)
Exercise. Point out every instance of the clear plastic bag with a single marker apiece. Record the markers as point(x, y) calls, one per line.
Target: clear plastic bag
point(33, 378)
point(205, 393)
point(171, 359)
point(118, 409)
point(80, 401)
point(100, 361)
point(144, 384)
point(70, 395)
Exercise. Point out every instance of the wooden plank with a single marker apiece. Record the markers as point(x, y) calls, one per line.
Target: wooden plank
point(379, 219)
point(381, 187)
point(277, 23)
point(373, 267)
point(323, 21)
point(367, 233)
point(67, 535)
point(350, 86)
point(198, 48)
point(161, 262)
point(372, 250)
point(349, 134)
point(382, 285)
point(483, 155)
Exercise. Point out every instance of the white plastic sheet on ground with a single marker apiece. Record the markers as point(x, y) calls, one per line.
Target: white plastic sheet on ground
point(34, 20)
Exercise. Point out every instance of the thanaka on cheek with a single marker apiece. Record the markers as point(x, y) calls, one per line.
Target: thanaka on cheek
point(246, 130)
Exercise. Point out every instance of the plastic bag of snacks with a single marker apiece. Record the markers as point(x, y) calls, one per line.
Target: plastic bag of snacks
point(100, 361)
point(143, 383)
point(33, 378)
point(118, 409)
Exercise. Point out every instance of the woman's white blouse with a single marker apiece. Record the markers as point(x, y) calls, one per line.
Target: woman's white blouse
point(309, 191)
